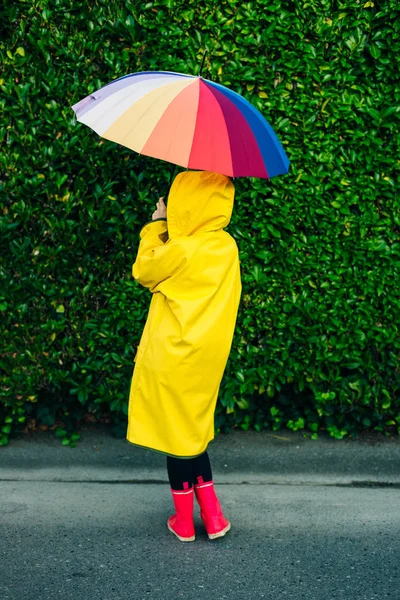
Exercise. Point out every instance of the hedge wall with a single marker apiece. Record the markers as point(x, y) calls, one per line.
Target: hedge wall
point(317, 343)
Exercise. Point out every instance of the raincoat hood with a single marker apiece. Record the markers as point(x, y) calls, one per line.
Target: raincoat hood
point(199, 201)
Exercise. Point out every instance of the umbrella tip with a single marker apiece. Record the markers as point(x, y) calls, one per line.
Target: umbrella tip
point(202, 63)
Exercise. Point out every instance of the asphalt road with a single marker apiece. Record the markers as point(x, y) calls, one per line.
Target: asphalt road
point(110, 542)
point(69, 537)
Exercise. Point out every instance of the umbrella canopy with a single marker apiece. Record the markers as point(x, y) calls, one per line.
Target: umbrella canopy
point(185, 120)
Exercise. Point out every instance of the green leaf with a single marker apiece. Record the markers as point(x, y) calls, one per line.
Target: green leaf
point(317, 327)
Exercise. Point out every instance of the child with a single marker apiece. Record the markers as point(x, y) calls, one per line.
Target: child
point(191, 266)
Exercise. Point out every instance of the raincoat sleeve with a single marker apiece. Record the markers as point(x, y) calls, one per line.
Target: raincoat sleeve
point(156, 260)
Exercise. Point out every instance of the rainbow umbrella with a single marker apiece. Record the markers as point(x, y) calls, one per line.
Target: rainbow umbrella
point(185, 120)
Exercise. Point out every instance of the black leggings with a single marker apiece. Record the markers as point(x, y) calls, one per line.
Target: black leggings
point(184, 472)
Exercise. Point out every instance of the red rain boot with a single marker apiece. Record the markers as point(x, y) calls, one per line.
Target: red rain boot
point(210, 510)
point(182, 523)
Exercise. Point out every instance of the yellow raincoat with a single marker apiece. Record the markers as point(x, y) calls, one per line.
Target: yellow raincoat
point(191, 266)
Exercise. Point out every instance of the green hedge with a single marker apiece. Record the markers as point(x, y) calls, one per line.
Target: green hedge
point(317, 343)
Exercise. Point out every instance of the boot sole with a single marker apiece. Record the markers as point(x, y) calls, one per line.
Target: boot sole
point(213, 536)
point(182, 539)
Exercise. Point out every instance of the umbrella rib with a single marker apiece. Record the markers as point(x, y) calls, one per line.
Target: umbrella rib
point(172, 138)
point(229, 137)
point(195, 124)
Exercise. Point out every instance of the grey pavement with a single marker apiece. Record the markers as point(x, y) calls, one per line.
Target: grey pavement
point(310, 519)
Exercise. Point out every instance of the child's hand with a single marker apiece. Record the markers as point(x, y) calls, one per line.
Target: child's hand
point(161, 211)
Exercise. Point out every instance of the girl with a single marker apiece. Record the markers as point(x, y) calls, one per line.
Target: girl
point(191, 266)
